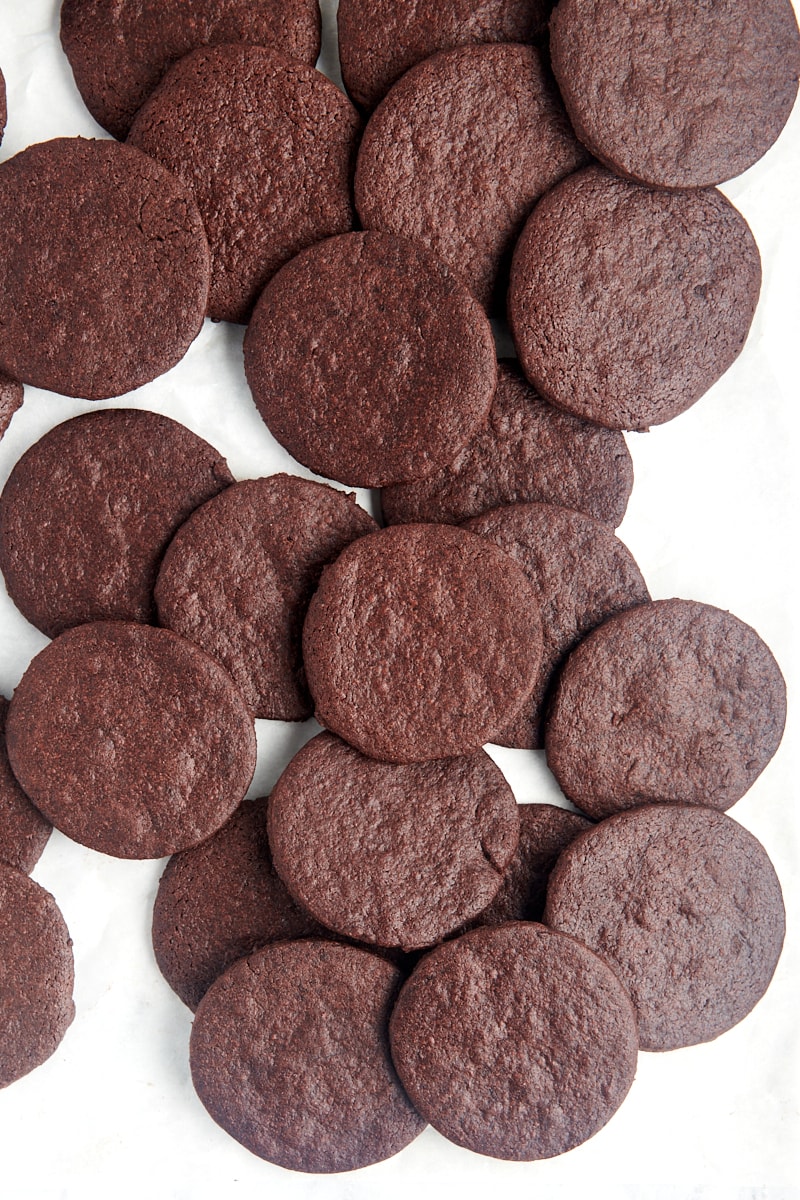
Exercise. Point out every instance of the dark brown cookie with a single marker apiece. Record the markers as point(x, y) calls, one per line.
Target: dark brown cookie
point(674, 94)
point(399, 855)
point(675, 701)
point(368, 360)
point(544, 831)
point(239, 574)
point(422, 641)
point(267, 146)
point(379, 40)
point(460, 151)
point(626, 303)
point(290, 1055)
point(105, 268)
point(527, 450)
point(580, 575)
point(684, 906)
point(514, 1041)
point(119, 51)
point(36, 1007)
point(89, 510)
point(130, 739)
point(23, 829)
point(11, 397)
point(220, 901)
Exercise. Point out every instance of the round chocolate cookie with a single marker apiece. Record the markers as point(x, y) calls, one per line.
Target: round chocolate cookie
point(36, 975)
point(368, 361)
point(514, 1041)
point(580, 575)
point(290, 1055)
point(674, 94)
point(422, 641)
point(119, 50)
point(400, 855)
point(380, 39)
point(674, 701)
point(238, 576)
point(11, 397)
point(130, 739)
point(105, 268)
point(527, 450)
point(267, 146)
point(684, 906)
point(626, 303)
point(460, 151)
point(89, 510)
point(23, 829)
point(544, 832)
point(220, 901)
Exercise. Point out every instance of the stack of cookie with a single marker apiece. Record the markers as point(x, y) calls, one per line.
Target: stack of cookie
point(389, 939)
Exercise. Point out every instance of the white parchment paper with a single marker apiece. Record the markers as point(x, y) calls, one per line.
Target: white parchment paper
point(713, 517)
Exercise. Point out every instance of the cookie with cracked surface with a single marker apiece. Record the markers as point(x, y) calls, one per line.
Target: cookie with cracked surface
point(105, 269)
point(238, 576)
point(130, 739)
point(580, 573)
point(290, 1055)
point(685, 907)
point(675, 701)
point(119, 52)
point(267, 146)
point(388, 362)
point(459, 152)
point(627, 303)
point(515, 1041)
point(23, 830)
point(380, 41)
point(526, 451)
point(36, 1007)
point(676, 95)
point(544, 831)
point(421, 642)
point(221, 901)
point(349, 834)
point(89, 510)
point(11, 397)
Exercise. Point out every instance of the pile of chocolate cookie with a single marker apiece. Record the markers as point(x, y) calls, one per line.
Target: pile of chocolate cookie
point(389, 940)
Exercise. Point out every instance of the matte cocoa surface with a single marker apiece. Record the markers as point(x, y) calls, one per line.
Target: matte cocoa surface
point(676, 701)
point(379, 41)
point(422, 642)
point(544, 831)
point(119, 52)
point(238, 576)
point(290, 1055)
point(369, 361)
point(627, 303)
point(11, 397)
point(580, 573)
point(460, 151)
point(267, 147)
point(684, 906)
point(515, 1041)
point(23, 830)
point(105, 269)
point(36, 1007)
point(398, 855)
point(221, 901)
point(89, 510)
point(673, 94)
point(526, 451)
point(130, 739)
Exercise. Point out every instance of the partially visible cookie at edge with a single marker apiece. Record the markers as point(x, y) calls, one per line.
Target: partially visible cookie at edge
point(24, 832)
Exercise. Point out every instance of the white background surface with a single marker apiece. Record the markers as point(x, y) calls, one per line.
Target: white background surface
point(713, 517)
